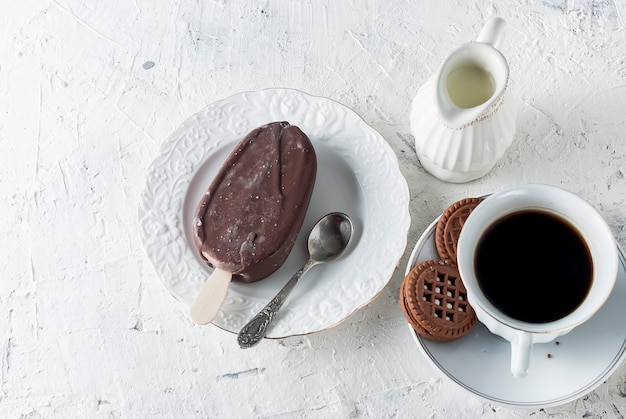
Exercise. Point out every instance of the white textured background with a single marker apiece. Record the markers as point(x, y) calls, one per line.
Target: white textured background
point(90, 89)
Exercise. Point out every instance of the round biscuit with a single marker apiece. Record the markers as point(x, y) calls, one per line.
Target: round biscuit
point(434, 301)
point(448, 228)
point(415, 322)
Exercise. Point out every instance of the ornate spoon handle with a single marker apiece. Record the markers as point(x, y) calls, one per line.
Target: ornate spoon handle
point(256, 328)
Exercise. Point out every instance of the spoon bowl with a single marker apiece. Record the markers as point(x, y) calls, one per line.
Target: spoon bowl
point(330, 237)
point(328, 240)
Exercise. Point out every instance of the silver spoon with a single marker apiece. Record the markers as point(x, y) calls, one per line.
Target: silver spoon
point(328, 240)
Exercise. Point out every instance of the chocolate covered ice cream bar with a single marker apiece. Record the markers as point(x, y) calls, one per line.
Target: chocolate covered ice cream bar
point(248, 220)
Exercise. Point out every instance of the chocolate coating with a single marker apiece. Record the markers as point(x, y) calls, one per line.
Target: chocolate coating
point(248, 220)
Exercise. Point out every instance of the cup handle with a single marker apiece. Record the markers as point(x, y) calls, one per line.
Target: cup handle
point(521, 347)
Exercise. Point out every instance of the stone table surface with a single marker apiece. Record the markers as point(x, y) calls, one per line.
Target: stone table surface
point(90, 90)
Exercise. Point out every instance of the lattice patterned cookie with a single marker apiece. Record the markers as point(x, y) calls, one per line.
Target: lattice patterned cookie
point(434, 301)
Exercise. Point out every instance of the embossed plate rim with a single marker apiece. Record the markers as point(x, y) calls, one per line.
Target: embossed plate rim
point(335, 130)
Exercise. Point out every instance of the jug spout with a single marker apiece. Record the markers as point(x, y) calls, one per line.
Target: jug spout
point(493, 33)
point(473, 78)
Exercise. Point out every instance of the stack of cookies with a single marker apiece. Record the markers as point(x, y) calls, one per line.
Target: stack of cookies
point(432, 296)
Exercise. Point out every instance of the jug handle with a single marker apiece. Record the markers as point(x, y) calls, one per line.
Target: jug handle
point(520, 353)
point(493, 32)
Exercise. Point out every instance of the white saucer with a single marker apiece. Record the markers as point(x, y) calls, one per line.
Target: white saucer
point(560, 372)
point(357, 174)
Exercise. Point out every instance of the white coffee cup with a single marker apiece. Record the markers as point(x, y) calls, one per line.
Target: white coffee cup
point(576, 212)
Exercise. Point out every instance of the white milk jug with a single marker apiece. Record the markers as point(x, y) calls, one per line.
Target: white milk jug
point(462, 119)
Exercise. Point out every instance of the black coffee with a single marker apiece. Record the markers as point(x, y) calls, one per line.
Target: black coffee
point(533, 266)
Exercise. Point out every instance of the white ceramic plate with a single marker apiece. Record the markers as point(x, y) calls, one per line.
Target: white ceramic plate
point(357, 174)
point(479, 362)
